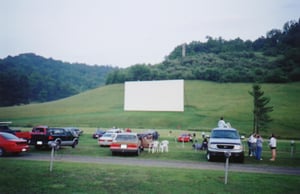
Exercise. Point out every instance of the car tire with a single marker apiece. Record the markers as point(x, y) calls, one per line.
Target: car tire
point(138, 152)
point(58, 144)
point(241, 159)
point(38, 147)
point(2, 152)
point(75, 144)
point(209, 157)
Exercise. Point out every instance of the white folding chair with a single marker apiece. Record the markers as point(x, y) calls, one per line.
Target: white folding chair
point(164, 146)
point(155, 146)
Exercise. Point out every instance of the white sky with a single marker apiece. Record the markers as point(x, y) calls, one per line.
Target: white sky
point(128, 32)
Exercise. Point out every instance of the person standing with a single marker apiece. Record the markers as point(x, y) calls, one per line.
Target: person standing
point(221, 123)
point(273, 144)
point(254, 145)
point(259, 146)
point(250, 142)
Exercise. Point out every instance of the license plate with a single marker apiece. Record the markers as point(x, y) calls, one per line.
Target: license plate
point(123, 146)
point(39, 142)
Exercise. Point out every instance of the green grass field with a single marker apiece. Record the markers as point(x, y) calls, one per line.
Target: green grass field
point(19, 177)
point(205, 102)
point(23, 176)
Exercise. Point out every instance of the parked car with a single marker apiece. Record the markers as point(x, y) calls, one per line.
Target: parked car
point(115, 130)
point(43, 136)
point(147, 138)
point(185, 138)
point(4, 127)
point(10, 143)
point(98, 133)
point(223, 141)
point(76, 130)
point(106, 139)
point(154, 134)
point(73, 130)
point(126, 143)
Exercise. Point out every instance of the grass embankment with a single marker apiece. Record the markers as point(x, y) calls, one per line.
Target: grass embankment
point(205, 102)
point(34, 177)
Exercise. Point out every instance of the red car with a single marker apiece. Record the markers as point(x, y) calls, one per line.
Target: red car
point(10, 143)
point(185, 138)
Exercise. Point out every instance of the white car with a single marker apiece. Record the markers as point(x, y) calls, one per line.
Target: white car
point(106, 139)
point(115, 130)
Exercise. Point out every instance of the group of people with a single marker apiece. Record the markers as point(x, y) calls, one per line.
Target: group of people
point(255, 145)
point(200, 146)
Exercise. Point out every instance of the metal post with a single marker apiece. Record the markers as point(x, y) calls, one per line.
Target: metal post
point(292, 148)
point(53, 145)
point(227, 155)
point(226, 170)
point(51, 160)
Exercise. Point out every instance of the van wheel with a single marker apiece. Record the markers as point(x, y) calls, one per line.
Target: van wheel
point(209, 157)
point(1, 152)
point(74, 144)
point(58, 144)
point(138, 152)
point(241, 159)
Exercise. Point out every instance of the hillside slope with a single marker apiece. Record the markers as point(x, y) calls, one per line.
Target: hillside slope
point(28, 78)
point(205, 102)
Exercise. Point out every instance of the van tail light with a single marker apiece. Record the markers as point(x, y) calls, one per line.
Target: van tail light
point(50, 138)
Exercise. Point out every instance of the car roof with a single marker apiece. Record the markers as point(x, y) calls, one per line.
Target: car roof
point(41, 126)
point(127, 133)
point(5, 123)
point(232, 129)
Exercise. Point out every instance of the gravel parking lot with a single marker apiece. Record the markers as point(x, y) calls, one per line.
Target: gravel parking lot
point(163, 163)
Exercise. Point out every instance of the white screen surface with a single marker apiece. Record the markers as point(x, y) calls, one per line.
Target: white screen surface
point(166, 95)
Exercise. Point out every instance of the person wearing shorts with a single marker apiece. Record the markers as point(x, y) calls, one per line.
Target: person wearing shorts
point(272, 144)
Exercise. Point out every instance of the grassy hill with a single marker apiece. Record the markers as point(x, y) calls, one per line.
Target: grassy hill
point(205, 102)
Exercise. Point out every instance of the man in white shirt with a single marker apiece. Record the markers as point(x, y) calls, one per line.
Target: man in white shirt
point(221, 123)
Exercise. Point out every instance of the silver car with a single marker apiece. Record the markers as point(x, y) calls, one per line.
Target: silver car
point(223, 141)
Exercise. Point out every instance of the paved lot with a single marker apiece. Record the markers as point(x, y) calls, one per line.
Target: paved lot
point(163, 163)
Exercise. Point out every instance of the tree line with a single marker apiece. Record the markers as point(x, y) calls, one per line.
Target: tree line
point(30, 78)
point(273, 58)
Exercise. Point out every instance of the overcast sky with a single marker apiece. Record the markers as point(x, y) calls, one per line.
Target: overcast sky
point(128, 32)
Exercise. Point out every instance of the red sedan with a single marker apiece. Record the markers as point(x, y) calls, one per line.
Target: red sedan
point(10, 143)
point(185, 138)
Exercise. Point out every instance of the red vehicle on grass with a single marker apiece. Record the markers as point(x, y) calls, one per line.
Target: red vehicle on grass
point(185, 138)
point(21, 134)
point(10, 143)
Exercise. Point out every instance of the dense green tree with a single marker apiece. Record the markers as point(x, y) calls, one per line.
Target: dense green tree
point(261, 117)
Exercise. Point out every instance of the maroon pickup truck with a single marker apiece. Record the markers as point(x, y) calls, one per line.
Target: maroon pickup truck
point(21, 134)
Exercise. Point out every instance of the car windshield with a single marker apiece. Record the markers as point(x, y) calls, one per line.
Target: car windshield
point(126, 138)
point(38, 130)
point(108, 135)
point(9, 136)
point(225, 134)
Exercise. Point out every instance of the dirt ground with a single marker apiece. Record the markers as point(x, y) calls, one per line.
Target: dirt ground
point(163, 163)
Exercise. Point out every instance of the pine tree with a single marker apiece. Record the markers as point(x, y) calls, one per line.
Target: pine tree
point(261, 117)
